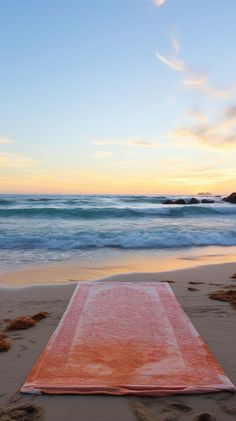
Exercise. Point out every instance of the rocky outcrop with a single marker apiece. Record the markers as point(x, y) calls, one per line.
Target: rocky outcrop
point(168, 202)
point(207, 201)
point(194, 201)
point(180, 202)
point(231, 198)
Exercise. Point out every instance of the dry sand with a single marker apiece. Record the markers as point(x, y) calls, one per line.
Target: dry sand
point(214, 320)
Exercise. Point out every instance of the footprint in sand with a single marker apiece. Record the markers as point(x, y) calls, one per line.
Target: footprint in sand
point(181, 407)
point(149, 410)
point(228, 409)
point(141, 411)
point(204, 417)
point(26, 412)
point(221, 396)
point(23, 348)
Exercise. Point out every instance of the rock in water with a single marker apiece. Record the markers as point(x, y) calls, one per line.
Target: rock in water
point(180, 202)
point(208, 201)
point(193, 201)
point(168, 202)
point(231, 198)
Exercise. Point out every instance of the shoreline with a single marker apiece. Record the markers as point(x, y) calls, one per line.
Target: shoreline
point(217, 268)
point(214, 320)
point(98, 265)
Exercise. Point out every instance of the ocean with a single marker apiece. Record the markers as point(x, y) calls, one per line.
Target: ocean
point(46, 228)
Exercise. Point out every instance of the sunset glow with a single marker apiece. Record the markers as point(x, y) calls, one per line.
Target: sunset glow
point(97, 105)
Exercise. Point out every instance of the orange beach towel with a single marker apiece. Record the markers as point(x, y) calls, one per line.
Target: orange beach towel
point(125, 338)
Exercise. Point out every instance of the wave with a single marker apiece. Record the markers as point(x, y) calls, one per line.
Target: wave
point(6, 201)
point(131, 240)
point(118, 212)
point(142, 199)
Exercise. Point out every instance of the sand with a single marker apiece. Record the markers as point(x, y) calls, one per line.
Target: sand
point(215, 321)
point(99, 264)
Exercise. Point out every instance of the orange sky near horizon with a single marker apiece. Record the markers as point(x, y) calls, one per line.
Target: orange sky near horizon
point(88, 108)
point(98, 183)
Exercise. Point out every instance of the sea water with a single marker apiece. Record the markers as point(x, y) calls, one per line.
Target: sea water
point(45, 228)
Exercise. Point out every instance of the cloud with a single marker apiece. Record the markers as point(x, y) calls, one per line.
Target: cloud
point(175, 43)
point(9, 160)
point(194, 173)
point(217, 93)
point(130, 153)
point(173, 62)
point(102, 154)
point(230, 113)
point(195, 81)
point(200, 83)
point(220, 134)
point(5, 140)
point(191, 80)
point(159, 2)
point(124, 162)
point(206, 135)
point(142, 143)
point(102, 142)
point(138, 143)
point(196, 114)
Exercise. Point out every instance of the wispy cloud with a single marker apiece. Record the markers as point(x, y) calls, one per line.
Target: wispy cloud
point(10, 160)
point(195, 113)
point(195, 81)
point(201, 84)
point(230, 113)
point(102, 154)
point(159, 2)
point(137, 143)
point(5, 140)
point(220, 134)
point(131, 153)
point(105, 142)
point(142, 144)
point(174, 171)
point(124, 162)
point(192, 80)
point(175, 43)
point(102, 142)
point(173, 62)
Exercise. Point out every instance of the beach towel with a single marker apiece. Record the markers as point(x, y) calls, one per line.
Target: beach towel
point(125, 338)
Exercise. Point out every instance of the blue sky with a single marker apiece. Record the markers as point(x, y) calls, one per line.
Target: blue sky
point(117, 96)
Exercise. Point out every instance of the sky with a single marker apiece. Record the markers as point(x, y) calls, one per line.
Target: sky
point(117, 96)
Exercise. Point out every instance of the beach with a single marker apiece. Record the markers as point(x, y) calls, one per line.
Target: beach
point(117, 211)
point(215, 321)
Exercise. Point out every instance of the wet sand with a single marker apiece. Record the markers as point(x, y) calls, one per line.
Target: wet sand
point(215, 321)
point(97, 265)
